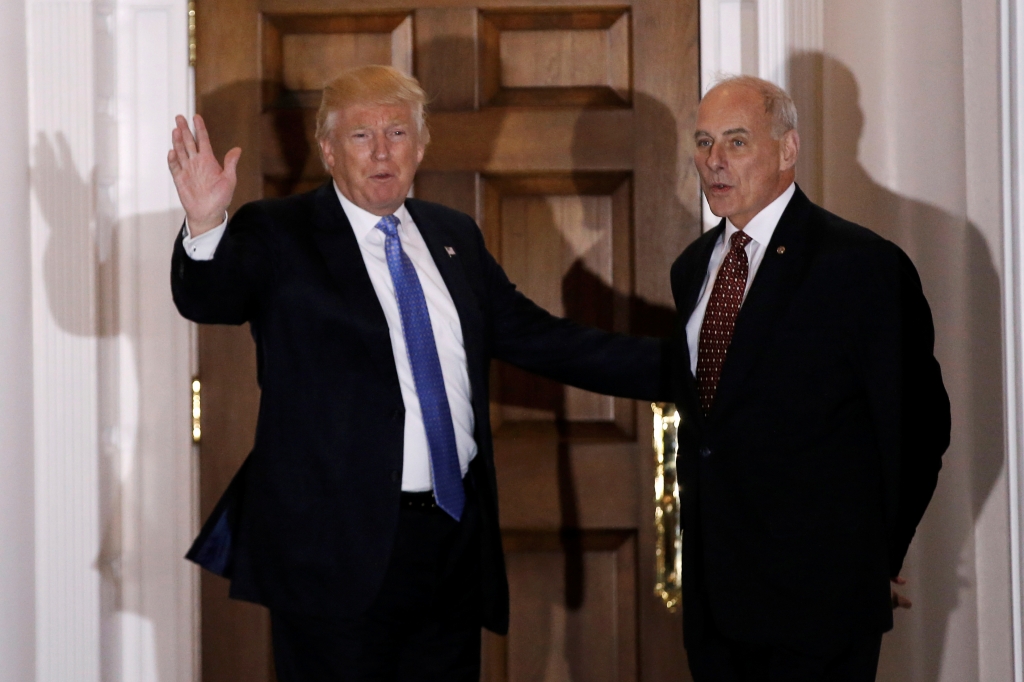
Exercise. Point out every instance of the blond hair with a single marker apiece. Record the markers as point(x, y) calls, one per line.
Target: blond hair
point(371, 85)
point(777, 103)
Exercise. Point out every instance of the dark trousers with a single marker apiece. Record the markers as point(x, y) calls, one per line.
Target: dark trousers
point(423, 626)
point(721, 659)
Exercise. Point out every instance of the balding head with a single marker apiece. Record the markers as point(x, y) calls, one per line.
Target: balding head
point(746, 146)
point(778, 105)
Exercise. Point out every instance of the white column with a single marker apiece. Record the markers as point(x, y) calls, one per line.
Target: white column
point(69, 525)
point(156, 502)
point(114, 467)
point(17, 555)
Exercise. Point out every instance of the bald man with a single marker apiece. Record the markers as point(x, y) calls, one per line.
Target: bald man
point(815, 417)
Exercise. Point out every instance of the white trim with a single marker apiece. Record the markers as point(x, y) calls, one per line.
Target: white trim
point(773, 41)
point(1011, 31)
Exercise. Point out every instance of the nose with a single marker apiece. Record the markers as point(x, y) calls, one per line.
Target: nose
point(715, 158)
point(381, 149)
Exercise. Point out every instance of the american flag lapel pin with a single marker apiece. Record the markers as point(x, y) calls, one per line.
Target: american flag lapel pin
point(450, 250)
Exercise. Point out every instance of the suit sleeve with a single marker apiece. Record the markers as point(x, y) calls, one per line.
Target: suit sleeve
point(226, 289)
point(910, 407)
point(926, 413)
point(527, 336)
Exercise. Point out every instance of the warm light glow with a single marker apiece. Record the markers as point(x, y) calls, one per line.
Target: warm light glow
point(197, 411)
point(669, 545)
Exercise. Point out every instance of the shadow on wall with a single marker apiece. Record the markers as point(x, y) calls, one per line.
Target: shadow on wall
point(586, 297)
point(82, 279)
point(963, 289)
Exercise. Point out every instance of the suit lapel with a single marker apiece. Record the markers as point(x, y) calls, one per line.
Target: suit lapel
point(336, 241)
point(777, 278)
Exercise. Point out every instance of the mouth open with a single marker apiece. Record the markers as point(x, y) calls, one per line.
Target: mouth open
point(382, 176)
point(719, 187)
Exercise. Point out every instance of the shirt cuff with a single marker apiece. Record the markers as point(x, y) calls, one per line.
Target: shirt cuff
point(205, 245)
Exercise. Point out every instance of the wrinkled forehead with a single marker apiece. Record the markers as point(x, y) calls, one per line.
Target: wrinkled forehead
point(732, 107)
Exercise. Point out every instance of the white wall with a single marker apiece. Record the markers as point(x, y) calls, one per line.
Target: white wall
point(17, 564)
point(97, 469)
point(900, 122)
point(901, 80)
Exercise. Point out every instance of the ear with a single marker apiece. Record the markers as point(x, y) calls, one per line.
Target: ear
point(420, 150)
point(789, 149)
point(327, 152)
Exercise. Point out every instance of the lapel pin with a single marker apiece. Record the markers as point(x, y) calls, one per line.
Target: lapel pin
point(781, 250)
point(450, 250)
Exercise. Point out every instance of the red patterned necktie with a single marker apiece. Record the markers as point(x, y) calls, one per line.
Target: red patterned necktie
point(720, 319)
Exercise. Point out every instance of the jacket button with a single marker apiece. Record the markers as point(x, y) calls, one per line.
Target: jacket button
point(705, 452)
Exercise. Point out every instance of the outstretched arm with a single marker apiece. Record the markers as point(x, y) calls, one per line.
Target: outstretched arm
point(204, 187)
point(527, 336)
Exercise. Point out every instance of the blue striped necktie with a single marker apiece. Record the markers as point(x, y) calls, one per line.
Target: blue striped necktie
point(426, 372)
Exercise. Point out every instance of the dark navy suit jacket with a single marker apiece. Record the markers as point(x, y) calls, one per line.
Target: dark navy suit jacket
point(803, 487)
point(309, 522)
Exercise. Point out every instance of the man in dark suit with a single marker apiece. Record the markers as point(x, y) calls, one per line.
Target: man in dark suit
point(814, 415)
point(366, 516)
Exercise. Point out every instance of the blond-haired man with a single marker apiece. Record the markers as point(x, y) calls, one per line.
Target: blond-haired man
point(816, 418)
point(366, 516)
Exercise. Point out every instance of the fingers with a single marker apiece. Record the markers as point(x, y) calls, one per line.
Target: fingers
point(172, 162)
point(202, 135)
point(188, 141)
point(899, 601)
point(231, 162)
point(178, 144)
point(898, 580)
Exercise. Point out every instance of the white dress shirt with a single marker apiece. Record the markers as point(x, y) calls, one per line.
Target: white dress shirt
point(760, 230)
point(444, 320)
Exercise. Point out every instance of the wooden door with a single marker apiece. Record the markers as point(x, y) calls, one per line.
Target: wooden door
point(564, 128)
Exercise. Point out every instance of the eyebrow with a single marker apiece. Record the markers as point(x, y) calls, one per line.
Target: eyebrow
point(365, 126)
point(730, 131)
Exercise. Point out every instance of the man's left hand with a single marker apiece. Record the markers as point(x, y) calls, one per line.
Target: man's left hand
point(898, 600)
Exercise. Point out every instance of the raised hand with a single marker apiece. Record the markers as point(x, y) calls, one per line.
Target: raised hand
point(204, 188)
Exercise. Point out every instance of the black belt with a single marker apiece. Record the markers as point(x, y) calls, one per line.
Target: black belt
point(422, 500)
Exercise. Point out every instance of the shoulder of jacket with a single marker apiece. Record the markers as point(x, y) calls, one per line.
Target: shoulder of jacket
point(842, 231)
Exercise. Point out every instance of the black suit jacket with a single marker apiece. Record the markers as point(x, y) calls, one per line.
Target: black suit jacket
point(309, 522)
point(803, 487)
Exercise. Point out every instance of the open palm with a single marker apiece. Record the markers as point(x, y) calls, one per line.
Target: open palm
point(204, 188)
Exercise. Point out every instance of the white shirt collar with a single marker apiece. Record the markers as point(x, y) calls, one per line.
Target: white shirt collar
point(363, 222)
point(762, 226)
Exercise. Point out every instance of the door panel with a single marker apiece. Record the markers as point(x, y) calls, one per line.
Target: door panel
point(562, 127)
